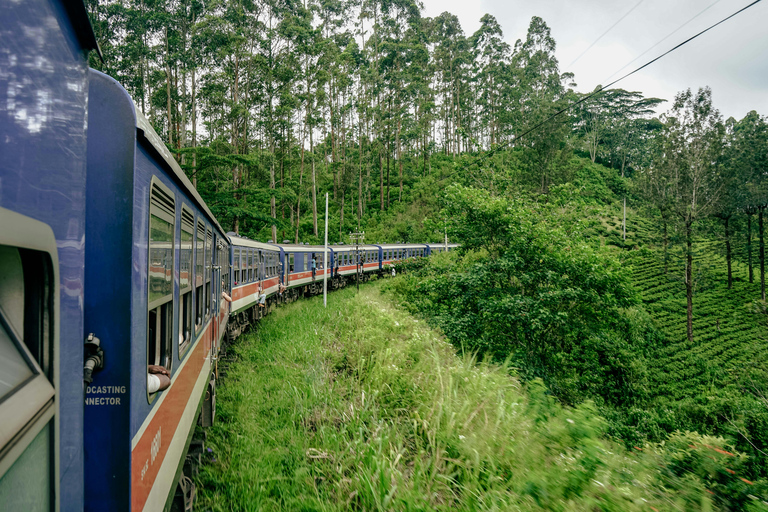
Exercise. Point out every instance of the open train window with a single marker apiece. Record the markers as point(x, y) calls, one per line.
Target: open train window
point(236, 264)
point(162, 224)
point(28, 340)
point(199, 276)
point(226, 268)
point(208, 267)
point(185, 277)
point(291, 263)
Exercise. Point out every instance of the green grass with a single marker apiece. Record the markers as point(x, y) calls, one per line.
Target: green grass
point(361, 406)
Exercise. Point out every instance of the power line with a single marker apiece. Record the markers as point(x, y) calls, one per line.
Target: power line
point(662, 40)
point(604, 33)
point(603, 88)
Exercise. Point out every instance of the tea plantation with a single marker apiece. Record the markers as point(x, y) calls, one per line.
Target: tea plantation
point(717, 384)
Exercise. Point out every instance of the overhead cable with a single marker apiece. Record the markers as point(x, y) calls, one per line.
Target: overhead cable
point(604, 87)
point(604, 33)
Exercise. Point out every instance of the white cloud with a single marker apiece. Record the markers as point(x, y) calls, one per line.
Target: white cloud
point(731, 58)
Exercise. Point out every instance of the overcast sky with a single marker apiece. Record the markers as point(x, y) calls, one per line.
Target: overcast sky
point(732, 58)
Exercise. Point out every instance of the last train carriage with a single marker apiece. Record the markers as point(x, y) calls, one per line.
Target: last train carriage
point(156, 263)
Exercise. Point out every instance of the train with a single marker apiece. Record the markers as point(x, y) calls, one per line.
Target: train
point(119, 289)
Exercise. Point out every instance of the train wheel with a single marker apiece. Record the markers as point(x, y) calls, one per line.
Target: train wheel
point(184, 499)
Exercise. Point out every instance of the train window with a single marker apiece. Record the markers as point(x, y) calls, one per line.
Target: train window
point(185, 277)
point(225, 267)
point(290, 263)
point(199, 276)
point(162, 224)
point(28, 292)
point(236, 264)
point(208, 267)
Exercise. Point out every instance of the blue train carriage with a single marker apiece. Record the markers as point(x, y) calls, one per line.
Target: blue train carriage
point(300, 280)
point(156, 265)
point(44, 46)
point(441, 247)
point(347, 260)
point(395, 253)
point(255, 266)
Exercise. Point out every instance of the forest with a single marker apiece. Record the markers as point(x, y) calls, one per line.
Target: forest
point(615, 251)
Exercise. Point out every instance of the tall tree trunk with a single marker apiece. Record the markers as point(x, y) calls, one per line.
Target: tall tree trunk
point(314, 181)
point(168, 88)
point(728, 251)
point(301, 176)
point(194, 126)
point(381, 176)
point(389, 151)
point(400, 158)
point(272, 184)
point(333, 144)
point(689, 278)
point(341, 214)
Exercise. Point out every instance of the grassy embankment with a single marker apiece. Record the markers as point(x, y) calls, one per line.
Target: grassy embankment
point(361, 406)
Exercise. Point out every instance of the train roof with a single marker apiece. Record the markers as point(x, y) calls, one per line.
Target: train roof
point(144, 128)
point(247, 242)
point(403, 246)
point(78, 16)
point(349, 247)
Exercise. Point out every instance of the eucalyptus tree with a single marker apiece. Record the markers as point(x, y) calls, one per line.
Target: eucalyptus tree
point(491, 57)
point(692, 147)
point(452, 57)
point(539, 91)
point(749, 159)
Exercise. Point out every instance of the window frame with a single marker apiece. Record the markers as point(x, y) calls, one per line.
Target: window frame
point(185, 343)
point(208, 272)
point(163, 304)
point(30, 407)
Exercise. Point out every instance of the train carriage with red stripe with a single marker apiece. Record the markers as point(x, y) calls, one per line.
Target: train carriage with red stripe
point(394, 253)
point(256, 270)
point(156, 272)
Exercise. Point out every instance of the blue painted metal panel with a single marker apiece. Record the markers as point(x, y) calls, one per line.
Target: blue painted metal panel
point(43, 88)
point(111, 142)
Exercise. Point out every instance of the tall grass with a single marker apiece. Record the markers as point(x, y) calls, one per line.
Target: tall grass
point(362, 407)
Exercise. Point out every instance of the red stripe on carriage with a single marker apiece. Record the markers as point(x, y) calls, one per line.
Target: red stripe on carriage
point(150, 451)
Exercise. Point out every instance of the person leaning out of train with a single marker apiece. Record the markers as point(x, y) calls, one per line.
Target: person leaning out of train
point(224, 294)
point(314, 266)
point(262, 297)
point(158, 378)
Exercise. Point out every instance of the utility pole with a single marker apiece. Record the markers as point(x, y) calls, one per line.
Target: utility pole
point(357, 239)
point(325, 257)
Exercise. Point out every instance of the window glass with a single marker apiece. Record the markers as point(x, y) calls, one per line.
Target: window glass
point(162, 222)
point(236, 264)
point(160, 258)
point(199, 274)
point(208, 267)
point(27, 484)
point(14, 367)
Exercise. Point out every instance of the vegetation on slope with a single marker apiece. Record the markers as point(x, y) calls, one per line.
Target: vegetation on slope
point(719, 383)
point(362, 407)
